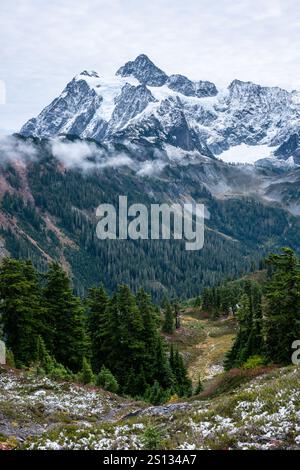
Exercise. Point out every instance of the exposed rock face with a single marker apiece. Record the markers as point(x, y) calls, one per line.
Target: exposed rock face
point(143, 69)
point(289, 148)
point(185, 86)
point(70, 113)
point(142, 103)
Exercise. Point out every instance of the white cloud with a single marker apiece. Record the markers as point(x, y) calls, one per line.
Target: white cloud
point(73, 154)
point(79, 154)
point(86, 156)
point(151, 168)
point(2, 92)
point(12, 149)
point(116, 161)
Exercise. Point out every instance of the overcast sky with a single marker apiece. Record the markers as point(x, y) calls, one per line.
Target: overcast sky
point(45, 43)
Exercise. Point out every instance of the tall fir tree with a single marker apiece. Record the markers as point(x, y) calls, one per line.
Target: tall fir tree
point(238, 353)
point(249, 338)
point(176, 314)
point(66, 339)
point(97, 302)
point(20, 308)
point(182, 383)
point(168, 322)
point(282, 306)
point(150, 335)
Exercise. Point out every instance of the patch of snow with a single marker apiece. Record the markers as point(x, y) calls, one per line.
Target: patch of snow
point(108, 89)
point(214, 370)
point(245, 153)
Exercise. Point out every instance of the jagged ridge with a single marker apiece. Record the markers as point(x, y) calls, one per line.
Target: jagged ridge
point(142, 103)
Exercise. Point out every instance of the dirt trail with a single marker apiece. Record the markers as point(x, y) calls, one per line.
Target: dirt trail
point(212, 350)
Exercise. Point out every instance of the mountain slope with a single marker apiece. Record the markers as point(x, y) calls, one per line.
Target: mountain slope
point(48, 212)
point(263, 414)
point(155, 138)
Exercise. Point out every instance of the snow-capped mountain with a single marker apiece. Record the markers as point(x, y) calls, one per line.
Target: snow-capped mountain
point(155, 138)
point(142, 104)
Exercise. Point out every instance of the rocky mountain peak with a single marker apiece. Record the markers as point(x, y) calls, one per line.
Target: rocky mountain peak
point(144, 70)
point(91, 73)
point(161, 110)
point(187, 87)
point(238, 87)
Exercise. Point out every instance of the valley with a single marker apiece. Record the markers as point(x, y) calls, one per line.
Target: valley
point(149, 231)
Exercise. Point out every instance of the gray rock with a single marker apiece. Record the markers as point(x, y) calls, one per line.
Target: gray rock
point(144, 70)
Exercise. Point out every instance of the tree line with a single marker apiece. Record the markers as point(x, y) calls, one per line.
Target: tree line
point(268, 313)
point(114, 341)
point(241, 231)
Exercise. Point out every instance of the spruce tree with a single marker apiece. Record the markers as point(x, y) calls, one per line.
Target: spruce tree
point(163, 372)
point(46, 364)
point(156, 394)
point(131, 341)
point(110, 335)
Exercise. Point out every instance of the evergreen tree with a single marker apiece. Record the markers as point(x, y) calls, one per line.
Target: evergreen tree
point(10, 360)
point(154, 360)
point(282, 307)
point(66, 338)
point(207, 299)
point(44, 360)
point(86, 374)
point(45, 364)
point(106, 380)
point(123, 335)
point(131, 341)
point(152, 438)
point(249, 338)
point(156, 394)
point(20, 308)
point(176, 314)
point(182, 383)
point(97, 302)
point(163, 372)
point(238, 352)
point(199, 387)
point(168, 323)
point(136, 384)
